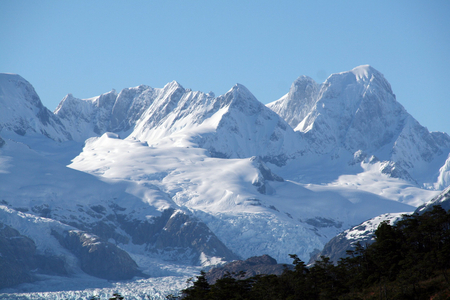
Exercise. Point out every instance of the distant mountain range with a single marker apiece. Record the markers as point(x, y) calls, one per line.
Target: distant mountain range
point(147, 181)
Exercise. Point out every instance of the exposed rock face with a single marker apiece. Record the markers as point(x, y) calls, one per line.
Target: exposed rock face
point(337, 247)
point(257, 265)
point(19, 261)
point(443, 199)
point(394, 170)
point(174, 234)
point(264, 174)
point(98, 257)
point(178, 235)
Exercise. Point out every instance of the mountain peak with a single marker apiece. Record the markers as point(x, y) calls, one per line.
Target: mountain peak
point(240, 88)
point(361, 76)
point(363, 71)
point(22, 111)
point(298, 102)
point(239, 93)
point(357, 110)
point(173, 85)
point(11, 76)
point(14, 86)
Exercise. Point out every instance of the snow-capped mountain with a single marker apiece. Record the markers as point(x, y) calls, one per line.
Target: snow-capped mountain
point(230, 126)
point(22, 112)
point(357, 111)
point(170, 178)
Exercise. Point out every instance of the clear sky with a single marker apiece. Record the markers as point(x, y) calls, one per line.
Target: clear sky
point(90, 47)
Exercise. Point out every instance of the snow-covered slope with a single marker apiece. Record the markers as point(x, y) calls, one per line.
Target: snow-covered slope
point(22, 112)
point(298, 102)
point(443, 199)
point(245, 204)
point(357, 111)
point(84, 222)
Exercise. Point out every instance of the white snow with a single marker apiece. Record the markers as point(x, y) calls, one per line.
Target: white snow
point(357, 111)
point(220, 193)
point(369, 227)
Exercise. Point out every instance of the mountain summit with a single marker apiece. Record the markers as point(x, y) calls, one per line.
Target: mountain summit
point(234, 125)
point(358, 112)
point(22, 112)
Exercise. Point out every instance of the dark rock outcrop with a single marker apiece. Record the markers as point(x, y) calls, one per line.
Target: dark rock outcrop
point(19, 260)
point(264, 174)
point(337, 247)
point(394, 170)
point(443, 199)
point(98, 257)
point(257, 265)
point(177, 234)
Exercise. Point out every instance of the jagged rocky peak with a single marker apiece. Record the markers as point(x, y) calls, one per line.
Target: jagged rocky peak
point(108, 112)
point(306, 96)
point(363, 76)
point(130, 104)
point(295, 105)
point(240, 98)
point(355, 110)
point(235, 124)
point(247, 128)
point(82, 107)
point(157, 115)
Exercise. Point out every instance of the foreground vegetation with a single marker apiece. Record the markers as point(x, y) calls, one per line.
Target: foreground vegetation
point(408, 260)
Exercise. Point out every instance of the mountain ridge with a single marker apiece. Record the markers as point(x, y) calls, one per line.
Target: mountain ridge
point(181, 178)
point(357, 111)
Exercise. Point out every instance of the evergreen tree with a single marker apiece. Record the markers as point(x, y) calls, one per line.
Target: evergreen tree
point(199, 290)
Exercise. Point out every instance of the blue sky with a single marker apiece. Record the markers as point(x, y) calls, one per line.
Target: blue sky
point(89, 47)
